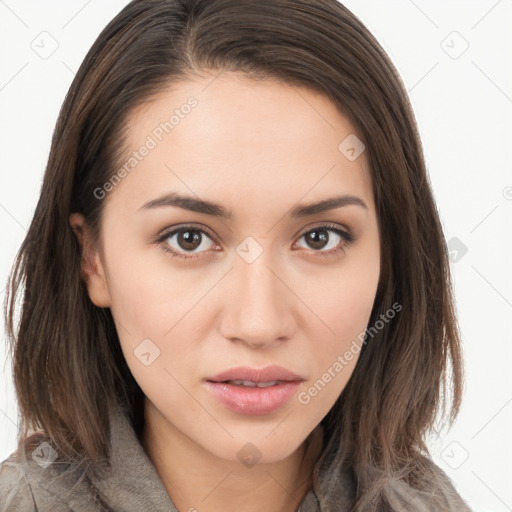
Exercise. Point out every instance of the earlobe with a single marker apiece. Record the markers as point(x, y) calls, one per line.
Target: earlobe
point(92, 268)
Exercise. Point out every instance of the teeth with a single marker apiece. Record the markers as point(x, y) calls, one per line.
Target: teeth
point(252, 384)
point(267, 384)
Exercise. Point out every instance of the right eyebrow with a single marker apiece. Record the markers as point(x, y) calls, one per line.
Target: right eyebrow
point(188, 203)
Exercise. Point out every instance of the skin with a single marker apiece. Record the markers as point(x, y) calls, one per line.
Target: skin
point(259, 149)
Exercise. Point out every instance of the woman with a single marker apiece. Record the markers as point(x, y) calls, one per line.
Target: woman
point(237, 291)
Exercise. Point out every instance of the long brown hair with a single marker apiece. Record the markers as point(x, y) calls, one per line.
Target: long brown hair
point(68, 365)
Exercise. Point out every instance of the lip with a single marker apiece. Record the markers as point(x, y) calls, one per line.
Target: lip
point(254, 400)
point(267, 374)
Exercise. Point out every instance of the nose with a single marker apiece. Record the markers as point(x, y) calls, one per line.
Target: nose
point(260, 307)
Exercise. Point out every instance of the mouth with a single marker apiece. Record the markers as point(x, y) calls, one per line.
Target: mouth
point(261, 377)
point(251, 391)
point(250, 383)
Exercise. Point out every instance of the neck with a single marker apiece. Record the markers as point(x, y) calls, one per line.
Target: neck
point(196, 480)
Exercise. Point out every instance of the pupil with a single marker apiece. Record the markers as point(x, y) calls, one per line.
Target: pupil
point(318, 239)
point(188, 239)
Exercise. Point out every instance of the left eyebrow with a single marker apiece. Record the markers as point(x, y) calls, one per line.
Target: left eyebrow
point(209, 208)
point(327, 204)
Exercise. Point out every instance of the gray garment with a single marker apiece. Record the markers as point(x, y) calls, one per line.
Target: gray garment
point(134, 484)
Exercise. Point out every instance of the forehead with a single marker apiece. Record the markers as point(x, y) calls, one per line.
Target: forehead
point(228, 134)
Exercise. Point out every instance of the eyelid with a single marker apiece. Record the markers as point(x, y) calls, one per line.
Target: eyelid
point(167, 232)
point(339, 228)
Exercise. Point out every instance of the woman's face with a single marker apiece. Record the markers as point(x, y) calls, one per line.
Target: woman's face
point(264, 278)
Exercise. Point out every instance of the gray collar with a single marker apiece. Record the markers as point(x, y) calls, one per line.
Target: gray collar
point(133, 483)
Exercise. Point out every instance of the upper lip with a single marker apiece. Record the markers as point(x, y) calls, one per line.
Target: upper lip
point(267, 374)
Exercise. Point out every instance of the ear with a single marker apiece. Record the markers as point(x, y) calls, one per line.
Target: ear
point(91, 265)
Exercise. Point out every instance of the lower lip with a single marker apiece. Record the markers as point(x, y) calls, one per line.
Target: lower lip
point(253, 400)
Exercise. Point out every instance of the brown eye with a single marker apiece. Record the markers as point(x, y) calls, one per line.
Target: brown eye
point(317, 239)
point(186, 241)
point(189, 240)
point(326, 239)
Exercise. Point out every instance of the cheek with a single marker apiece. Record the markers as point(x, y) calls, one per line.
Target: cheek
point(343, 300)
point(155, 312)
point(146, 298)
point(336, 351)
point(150, 315)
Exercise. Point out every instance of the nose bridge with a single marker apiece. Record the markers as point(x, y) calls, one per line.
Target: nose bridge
point(260, 310)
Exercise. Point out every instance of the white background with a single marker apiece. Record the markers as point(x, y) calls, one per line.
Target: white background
point(463, 104)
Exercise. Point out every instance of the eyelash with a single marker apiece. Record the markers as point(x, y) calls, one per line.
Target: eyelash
point(345, 235)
